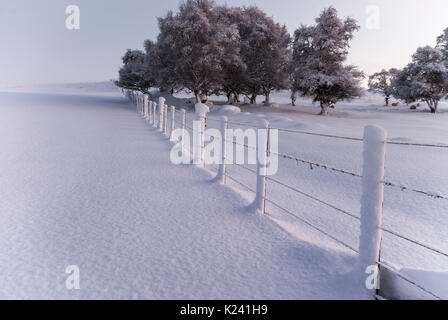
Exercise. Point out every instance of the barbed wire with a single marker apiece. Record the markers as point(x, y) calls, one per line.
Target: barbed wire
point(435, 195)
point(240, 183)
point(316, 164)
point(246, 168)
point(429, 145)
point(414, 283)
point(312, 225)
point(428, 247)
point(313, 164)
point(415, 144)
point(347, 213)
point(325, 203)
point(326, 167)
point(314, 198)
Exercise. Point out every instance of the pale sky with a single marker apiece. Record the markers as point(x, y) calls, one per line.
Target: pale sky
point(36, 47)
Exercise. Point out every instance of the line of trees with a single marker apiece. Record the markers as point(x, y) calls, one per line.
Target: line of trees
point(208, 49)
point(425, 79)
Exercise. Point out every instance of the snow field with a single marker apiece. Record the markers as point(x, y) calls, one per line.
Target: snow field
point(90, 184)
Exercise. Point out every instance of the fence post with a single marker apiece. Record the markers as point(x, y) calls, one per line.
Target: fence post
point(262, 155)
point(139, 102)
point(372, 200)
point(161, 109)
point(199, 137)
point(146, 106)
point(222, 172)
point(165, 119)
point(141, 105)
point(150, 112)
point(173, 118)
point(184, 124)
point(154, 122)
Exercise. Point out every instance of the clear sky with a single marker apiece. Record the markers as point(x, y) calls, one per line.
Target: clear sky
point(36, 47)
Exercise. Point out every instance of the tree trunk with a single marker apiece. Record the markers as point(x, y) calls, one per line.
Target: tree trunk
point(324, 109)
point(229, 98)
point(253, 98)
point(267, 99)
point(237, 97)
point(197, 96)
point(432, 106)
point(387, 101)
point(204, 98)
point(293, 98)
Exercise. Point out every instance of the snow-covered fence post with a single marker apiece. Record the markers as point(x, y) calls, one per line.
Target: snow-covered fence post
point(165, 119)
point(161, 109)
point(173, 118)
point(146, 106)
point(199, 133)
point(154, 122)
point(140, 100)
point(150, 112)
point(139, 104)
point(262, 155)
point(183, 124)
point(372, 200)
point(222, 172)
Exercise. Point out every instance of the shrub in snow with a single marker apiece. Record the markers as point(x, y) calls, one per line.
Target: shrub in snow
point(424, 79)
point(135, 75)
point(381, 82)
point(318, 57)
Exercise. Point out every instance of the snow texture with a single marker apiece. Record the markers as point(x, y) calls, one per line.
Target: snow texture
point(90, 184)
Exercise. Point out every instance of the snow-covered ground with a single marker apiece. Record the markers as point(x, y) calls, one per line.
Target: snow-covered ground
point(87, 182)
point(412, 215)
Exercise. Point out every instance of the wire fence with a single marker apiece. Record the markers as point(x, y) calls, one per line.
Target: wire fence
point(312, 165)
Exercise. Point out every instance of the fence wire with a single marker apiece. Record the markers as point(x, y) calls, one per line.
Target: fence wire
point(313, 165)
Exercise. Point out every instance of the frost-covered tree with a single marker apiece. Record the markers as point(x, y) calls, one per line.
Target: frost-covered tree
point(234, 67)
point(424, 79)
point(442, 45)
point(319, 53)
point(195, 44)
point(264, 49)
point(135, 75)
point(381, 82)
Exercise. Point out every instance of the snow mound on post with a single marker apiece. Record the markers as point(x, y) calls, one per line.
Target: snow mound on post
point(201, 109)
